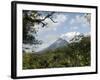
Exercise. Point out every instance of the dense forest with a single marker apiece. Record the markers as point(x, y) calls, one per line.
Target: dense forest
point(75, 54)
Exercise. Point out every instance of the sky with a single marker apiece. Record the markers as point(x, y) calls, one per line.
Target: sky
point(68, 25)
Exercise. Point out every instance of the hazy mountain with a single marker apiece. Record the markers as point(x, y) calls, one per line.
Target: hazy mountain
point(62, 41)
point(57, 44)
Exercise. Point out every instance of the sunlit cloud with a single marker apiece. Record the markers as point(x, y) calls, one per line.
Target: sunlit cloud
point(69, 35)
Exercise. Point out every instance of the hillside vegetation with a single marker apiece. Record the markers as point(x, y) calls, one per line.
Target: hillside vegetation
point(75, 54)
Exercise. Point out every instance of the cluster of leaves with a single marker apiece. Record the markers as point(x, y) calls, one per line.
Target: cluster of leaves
point(75, 54)
point(30, 19)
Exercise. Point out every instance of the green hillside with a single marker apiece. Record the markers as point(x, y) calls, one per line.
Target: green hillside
point(75, 54)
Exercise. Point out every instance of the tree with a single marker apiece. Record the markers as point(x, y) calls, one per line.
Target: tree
point(81, 51)
point(87, 16)
point(30, 19)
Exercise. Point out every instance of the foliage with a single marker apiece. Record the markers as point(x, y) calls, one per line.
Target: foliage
point(75, 54)
point(30, 19)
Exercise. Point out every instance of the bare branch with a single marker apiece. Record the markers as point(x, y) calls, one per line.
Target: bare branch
point(41, 21)
point(43, 24)
point(48, 16)
point(53, 20)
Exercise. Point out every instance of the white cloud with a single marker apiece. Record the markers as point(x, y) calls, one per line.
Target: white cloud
point(72, 21)
point(59, 18)
point(51, 37)
point(87, 34)
point(69, 35)
point(79, 20)
point(41, 47)
point(74, 27)
point(54, 29)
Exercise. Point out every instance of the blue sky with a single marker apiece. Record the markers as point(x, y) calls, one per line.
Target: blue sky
point(68, 24)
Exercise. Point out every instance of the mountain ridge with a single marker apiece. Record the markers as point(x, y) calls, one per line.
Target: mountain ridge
point(57, 44)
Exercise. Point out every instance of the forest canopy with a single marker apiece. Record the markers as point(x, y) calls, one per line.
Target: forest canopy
point(76, 54)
